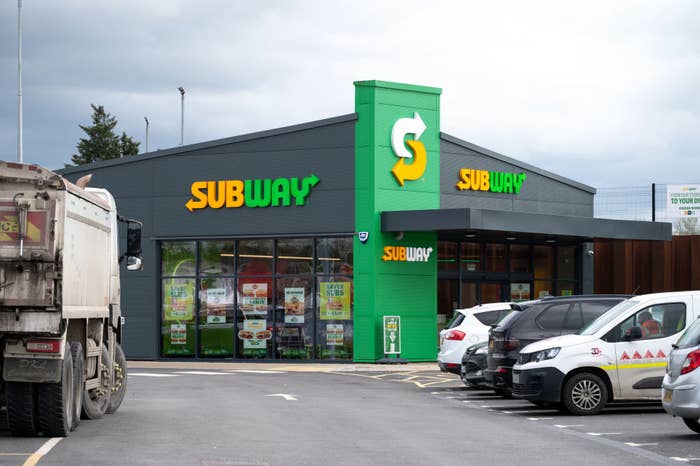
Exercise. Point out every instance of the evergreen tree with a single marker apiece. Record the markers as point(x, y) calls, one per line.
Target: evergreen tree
point(101, 142)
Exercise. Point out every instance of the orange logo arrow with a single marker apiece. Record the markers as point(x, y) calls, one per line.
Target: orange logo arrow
point(403, 171)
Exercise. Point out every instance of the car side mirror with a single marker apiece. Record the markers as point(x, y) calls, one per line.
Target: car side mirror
point(633, 333)
point(133, 239)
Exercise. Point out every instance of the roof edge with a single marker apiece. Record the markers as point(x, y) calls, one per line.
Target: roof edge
point(399, 86)
point(526, 166)
point(213, 143)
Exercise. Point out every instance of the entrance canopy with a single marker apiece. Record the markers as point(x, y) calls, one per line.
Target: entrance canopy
point(452, 223)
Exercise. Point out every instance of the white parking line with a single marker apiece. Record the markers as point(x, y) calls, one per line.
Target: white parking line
point(598, 434)
point(202, 373)
point(567, 426)
point(150, 374)
point(249, 371)
point(539, 418)
point(43, 450)
point(632, 444)
point(684, 460)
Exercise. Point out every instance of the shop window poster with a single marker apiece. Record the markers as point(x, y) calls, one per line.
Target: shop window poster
point(255, 334)
point(335, 301)
point(254, 299)
point(335, 335)
point(519, 292)
point(294, 305)
point(178, 334)
point(217, 301)
point(178, 300)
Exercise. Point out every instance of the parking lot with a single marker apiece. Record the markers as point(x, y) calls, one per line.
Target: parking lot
point(270, 416)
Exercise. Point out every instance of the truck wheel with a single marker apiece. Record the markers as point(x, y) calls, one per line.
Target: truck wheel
point(119, 384)
point(76, 349)
point(56, 402)
point(693, 424)
point(585, 393)
point(21, 408)
point(95, 401)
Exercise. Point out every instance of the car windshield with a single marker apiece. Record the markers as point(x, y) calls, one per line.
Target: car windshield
point(691, 337)
point(608, 317)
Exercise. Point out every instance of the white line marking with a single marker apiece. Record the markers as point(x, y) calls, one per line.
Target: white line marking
point(566, 426)
point(43, 450)
point(147, 374)
point(202, 373)
point(285, 396)
point(632, 444)
point(684, 460)
point(248, 371)
point(507, 412)
point(598, 434)
point(539, 418)
point(484, 406)
point(466, 401)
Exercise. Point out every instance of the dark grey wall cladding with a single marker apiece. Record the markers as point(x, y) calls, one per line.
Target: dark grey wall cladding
point(155, 189)
point(539, 193)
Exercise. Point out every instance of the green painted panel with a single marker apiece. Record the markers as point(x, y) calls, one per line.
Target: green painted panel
point(395, 276)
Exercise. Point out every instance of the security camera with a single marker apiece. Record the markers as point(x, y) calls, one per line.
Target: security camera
point(590, 252)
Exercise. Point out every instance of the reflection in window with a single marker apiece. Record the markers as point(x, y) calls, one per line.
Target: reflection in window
point(294, 256)
point(566, 262)
point(294, 317)
point(544, 262)
point(216, 257)
point(496, 257)
point(520, 258)
point(177, 316)
point(448, 253)
point(334, 255)
point(471, 257)
point(335, 325)
point(178, 258)
point(216, 317)
point(255, 257)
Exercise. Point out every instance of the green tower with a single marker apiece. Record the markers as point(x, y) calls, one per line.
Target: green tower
point(397, 167)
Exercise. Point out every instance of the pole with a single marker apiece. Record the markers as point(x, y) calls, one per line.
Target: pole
point(653, 202)
point(20, 149)
point(145, 118)
point(182, 115)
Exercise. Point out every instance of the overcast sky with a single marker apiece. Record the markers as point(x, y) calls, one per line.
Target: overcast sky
point(606, 93)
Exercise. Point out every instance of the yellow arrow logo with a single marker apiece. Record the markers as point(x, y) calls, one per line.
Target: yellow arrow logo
point(403, 171)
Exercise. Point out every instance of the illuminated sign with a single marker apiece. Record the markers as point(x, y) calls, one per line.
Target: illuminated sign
point(401, 170)
point(250, 193)
point(496, 182)
point(406, 254)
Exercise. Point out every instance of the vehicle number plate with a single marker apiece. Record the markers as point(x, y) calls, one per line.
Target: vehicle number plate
point(668, 395)
point(516, 378)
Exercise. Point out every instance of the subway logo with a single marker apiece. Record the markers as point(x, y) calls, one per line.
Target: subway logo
point(496, 182)
point(406, 254)
point(250, 193)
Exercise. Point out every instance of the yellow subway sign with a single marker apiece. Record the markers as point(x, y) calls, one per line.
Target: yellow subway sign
point(496, 182)
point(268, 192)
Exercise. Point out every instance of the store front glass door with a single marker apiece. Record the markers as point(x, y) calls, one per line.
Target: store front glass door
point(476, 292)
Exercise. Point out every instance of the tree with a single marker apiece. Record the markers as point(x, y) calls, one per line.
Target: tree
point(102, 143)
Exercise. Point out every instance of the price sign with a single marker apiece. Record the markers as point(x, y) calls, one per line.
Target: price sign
point(392, 335)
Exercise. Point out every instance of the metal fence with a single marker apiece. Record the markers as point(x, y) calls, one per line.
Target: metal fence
point(641, 203)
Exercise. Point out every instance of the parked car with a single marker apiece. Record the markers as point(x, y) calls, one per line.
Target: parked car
point(611, 359)
point(552, 316)
point(680, 392)
point(468, 326)
point(473, 364)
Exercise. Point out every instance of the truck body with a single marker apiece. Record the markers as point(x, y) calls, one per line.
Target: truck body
point(60, 315)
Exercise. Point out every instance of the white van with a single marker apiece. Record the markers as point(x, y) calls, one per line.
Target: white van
point(620, 356)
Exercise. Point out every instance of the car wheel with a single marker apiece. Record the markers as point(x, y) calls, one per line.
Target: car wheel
point(504, 392)
point(584, 394)
point(693, 424)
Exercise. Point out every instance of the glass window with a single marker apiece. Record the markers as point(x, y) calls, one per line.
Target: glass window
point(294, 317)
point(691, 337)
point(657, 321)
point(469, 298)
point(471, 257)
point(520, 258)
point(255, 257)
point(448, 253)
point(552, 318)
point(566, 262)
point(334, 255)
point(216, 317)
point(294, 256)
point(543, 288)
point(496, 257)
point(491, 317)
point(544, 262)
point(178, 258)
point(566, 288)
point(216, 258)
point(335, 325)
point(177, 316)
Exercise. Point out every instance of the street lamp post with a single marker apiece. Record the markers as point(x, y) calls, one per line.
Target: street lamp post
point(146, 118)
point(182, 115)
point(20, 149)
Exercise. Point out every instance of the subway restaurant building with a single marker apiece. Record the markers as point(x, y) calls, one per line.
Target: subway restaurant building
point(344, 239)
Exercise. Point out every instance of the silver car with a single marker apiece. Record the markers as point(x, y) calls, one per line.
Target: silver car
point(680, 392)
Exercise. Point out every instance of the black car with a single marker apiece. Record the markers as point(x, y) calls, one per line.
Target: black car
point(473, 364)
point(547, 318)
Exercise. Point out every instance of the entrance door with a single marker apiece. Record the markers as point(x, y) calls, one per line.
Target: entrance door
point(482, 291)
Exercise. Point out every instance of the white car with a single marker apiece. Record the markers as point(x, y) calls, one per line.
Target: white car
point(680, 392)
point(469, 326)
point(620, 356)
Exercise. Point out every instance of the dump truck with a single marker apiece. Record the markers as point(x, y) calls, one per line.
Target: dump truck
point(60, 316)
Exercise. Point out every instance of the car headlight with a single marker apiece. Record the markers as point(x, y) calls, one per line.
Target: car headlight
point(543, 355)
point(482, 350)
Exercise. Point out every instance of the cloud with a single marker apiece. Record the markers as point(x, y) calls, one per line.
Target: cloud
point(604, 93)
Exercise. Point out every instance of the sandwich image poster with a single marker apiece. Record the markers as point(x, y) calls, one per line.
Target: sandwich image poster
point(335, 301)
point(254, 299)
point(178, 299)
point(294, 305)
point(255, 333)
